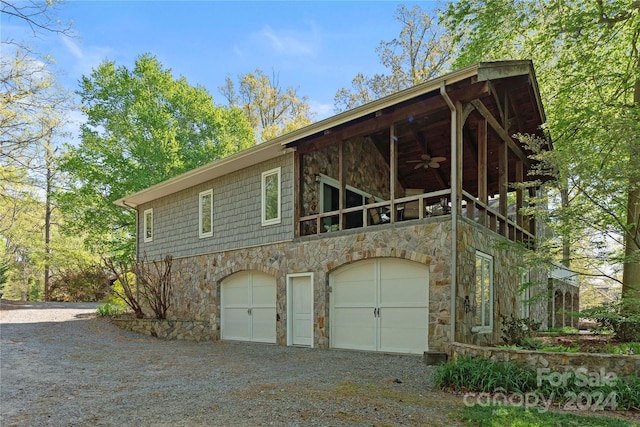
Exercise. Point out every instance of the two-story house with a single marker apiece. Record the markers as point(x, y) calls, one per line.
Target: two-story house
point(377, 229)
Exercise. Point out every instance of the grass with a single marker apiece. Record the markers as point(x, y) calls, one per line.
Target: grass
point(499, 416)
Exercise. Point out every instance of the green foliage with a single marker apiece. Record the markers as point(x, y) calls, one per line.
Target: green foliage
point(108, 310)
point(586, 55)
point(622, 317)
point(469, 373)
point(270, 110)
point(80, 282)
point(143, 127)
point(514, 330)
point(476, 374)
point(624, 348)
point(125, 284)
point(499, 416)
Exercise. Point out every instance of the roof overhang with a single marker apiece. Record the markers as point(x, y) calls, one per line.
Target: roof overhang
point(218, 168)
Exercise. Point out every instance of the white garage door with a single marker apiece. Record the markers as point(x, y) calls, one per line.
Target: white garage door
point(380, 305)
point(248, 301)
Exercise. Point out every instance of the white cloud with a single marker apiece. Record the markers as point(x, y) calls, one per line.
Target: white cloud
point(321, 110)
point(84, 58)
point(72, 47)
point(288, 42)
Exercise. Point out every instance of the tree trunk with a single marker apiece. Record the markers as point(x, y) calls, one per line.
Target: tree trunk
point(47, 224)
point(631, 271)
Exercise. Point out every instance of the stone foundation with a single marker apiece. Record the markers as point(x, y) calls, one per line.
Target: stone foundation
point(619, 364)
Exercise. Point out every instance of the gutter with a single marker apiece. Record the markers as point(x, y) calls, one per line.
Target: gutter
point(454, 205)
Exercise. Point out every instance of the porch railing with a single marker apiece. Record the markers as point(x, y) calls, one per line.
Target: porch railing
point(378, 212)
point(484, 215)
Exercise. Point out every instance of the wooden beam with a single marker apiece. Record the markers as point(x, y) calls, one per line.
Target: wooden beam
point(483, 194)
point(502, 133)
point(393, 169)
point(382, 120)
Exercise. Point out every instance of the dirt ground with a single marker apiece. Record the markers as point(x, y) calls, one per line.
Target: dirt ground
point(62, 366)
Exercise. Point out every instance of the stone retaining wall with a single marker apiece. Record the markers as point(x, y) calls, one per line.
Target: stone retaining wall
point(619, 364)
point(169, 329)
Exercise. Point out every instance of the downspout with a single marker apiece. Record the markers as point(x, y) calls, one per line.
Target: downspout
point(454, 210)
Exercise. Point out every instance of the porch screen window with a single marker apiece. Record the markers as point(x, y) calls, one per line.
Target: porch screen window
point(271, 197)
point(484, 293)
point(205, 218)
point(147, 225)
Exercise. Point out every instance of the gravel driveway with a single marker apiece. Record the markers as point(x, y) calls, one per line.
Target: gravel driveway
point(62, 366)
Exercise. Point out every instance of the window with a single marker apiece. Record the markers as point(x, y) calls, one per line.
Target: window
point(524, 294)
point(330, 201)
point(271, 197)
point(484, 293)
point(147, 225)
point(205, 216)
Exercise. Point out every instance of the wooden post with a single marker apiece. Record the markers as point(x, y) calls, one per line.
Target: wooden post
point(393, 168)
point(503, 183)
point(297, 191)
point(342, 192)
point(519, 198)
point(482, 170)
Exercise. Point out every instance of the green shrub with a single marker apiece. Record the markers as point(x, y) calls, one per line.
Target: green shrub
point(530, 343)
point(470, 373)
point(107, 309)
point(621, 317)
point(514, 330)
point(624, 348)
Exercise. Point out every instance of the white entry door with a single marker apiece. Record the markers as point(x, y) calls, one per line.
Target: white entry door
point(300, 309)
point(380, 305)
point(248, 307)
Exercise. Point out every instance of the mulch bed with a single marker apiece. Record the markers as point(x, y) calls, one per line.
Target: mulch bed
point(586, 343)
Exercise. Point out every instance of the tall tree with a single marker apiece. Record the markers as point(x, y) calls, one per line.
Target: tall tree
point(421, 52)
point(588, 65)
point(143, 126)
point(270, 109)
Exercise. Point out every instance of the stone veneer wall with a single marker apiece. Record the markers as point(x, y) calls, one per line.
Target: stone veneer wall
point(197, 279)
point(619, 364)
point(471, 238)
point(365, 169)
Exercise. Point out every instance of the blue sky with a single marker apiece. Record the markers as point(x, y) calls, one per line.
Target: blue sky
point(315, 46)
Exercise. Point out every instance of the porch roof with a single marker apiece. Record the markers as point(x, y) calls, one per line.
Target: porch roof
point(465, 83)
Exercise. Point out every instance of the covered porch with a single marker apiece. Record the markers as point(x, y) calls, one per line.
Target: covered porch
point(443, 148)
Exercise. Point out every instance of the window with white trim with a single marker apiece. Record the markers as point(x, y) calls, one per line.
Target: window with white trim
point(147, 225)
point(524, 294)
point(205, 214)
point(483, 301)
point(271, 197)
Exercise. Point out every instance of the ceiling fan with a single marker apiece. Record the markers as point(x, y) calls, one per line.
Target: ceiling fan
point(426, 161)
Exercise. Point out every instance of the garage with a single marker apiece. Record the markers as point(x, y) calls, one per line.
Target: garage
point(380, 305)
point(248, 307)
